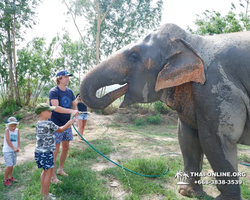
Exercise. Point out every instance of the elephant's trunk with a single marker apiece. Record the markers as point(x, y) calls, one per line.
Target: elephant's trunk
point(95, 80)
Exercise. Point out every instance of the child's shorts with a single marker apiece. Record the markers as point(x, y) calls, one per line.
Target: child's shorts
point(83, 116)
point(10, 158)
point(44, 160)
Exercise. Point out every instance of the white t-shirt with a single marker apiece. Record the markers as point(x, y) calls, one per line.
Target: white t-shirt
point(13, 139)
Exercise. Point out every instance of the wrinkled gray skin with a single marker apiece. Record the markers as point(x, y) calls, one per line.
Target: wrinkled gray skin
point(205, 79)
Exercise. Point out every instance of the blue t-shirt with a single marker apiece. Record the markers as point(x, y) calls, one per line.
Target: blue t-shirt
point(65, 99)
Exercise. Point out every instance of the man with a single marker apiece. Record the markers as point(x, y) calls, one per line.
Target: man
point(64, 100)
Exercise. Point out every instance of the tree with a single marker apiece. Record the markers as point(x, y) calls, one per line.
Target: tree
point(72, 57)
point(36, 66)
point(14, 14)
point(212, 22)
point(246, 16)
point(112, 24)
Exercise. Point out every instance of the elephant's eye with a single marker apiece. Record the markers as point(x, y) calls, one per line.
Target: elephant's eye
point(134, 57)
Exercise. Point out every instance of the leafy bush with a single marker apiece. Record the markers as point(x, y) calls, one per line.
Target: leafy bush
point(8, 107)
point(18, 116)
point(140, 122)
point(154, 119)
point(160, 107)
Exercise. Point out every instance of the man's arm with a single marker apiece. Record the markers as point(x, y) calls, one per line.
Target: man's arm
point(59, 109)
point(74, 104)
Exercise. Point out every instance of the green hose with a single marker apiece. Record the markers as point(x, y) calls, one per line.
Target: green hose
point(151, 176)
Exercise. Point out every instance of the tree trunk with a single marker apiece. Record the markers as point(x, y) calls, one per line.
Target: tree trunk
point(17, 94)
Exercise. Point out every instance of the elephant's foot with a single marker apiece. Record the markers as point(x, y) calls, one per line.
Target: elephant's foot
point(188, 190)
point(221, 197)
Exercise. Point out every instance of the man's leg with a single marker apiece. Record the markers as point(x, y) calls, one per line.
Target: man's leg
point(63, 156)
point(67, 137)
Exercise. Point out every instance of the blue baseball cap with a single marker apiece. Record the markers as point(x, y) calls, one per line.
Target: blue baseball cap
point(63, 73)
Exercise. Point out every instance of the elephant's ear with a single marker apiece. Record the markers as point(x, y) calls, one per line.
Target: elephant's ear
point(184, 65)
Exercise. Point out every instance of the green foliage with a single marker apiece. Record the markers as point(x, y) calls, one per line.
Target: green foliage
point(212, 22)
point(18, 116)
point(8, 107)
point(125, 21)
point(160, 107)
point(140, 122)
point(15, 17)
point(154, 119)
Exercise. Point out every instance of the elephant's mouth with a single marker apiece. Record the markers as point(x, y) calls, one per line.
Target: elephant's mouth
point(117, 93)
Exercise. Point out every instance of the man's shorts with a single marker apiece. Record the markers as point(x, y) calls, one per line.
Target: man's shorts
point(44, 160)
point(83, 116)
point(64, 136)
point(10, 158)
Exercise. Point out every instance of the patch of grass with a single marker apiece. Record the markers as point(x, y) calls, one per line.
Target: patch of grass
point(154, 119)
point(140, 122)
point(244, 158)
point(142, 185)
point(31, 136)
point(32, 126)
point(105, 147)
point(243, 147)
point(82, 182)
point(114, 125)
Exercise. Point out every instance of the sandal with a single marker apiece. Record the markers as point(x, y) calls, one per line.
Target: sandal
point(55, 181)
point(62, 174)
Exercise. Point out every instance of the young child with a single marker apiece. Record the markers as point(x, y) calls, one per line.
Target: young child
point(45, 145)
point(10, 149)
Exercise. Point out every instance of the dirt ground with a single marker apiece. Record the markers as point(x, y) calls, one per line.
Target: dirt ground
point(128, 142)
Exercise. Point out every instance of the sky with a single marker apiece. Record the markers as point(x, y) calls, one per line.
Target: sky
point(52, 15)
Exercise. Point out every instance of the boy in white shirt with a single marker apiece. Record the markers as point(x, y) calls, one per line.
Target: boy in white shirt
point(10, 149)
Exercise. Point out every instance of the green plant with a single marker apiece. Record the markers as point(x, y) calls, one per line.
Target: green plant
point(154, 119)
point(140, 122)
point(160, 107)
point(8, 107)
point(18, 116)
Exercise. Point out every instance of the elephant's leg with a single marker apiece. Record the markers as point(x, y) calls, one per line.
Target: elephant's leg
point(192, 157)
point(222, 156)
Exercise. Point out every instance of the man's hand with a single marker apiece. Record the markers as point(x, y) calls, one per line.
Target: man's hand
point(75, 113)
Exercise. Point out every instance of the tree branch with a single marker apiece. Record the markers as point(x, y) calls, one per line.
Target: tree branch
point(105, 14)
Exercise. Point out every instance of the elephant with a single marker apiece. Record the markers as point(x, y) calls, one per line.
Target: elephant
point(206, 79)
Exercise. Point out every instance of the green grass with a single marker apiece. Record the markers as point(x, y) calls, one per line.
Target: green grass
point(82, 182)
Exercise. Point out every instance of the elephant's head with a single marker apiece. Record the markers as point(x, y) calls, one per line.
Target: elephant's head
point(163, 59)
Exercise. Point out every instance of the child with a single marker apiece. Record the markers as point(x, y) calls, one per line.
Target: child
point(10, 149)
point(45, 145)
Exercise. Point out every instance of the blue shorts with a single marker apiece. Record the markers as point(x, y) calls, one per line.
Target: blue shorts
point(44, 160)
point(83, 116)
point(64, 136)
point(10, 158)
